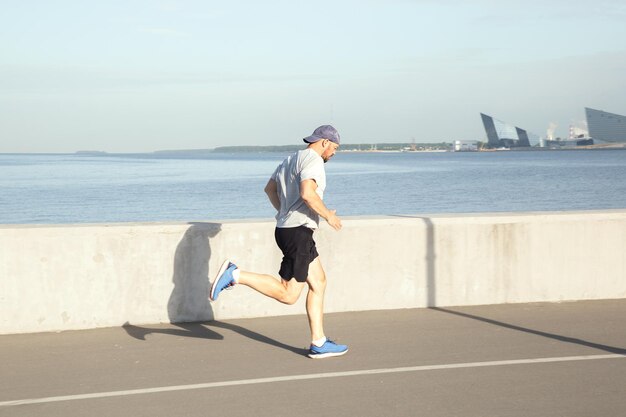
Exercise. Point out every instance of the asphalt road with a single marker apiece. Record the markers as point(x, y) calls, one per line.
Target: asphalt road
point(564, 359)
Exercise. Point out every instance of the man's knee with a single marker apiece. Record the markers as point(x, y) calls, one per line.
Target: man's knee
point(289, 299)
point(317, 279)
point(291, 292)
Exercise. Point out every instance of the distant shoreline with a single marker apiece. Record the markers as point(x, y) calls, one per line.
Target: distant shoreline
point(349, 148)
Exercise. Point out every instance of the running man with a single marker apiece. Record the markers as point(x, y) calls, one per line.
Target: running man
point(296, 190)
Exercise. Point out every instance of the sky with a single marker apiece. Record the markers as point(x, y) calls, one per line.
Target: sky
point(140, 75)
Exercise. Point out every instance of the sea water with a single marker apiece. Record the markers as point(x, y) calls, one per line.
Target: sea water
point(75, 188)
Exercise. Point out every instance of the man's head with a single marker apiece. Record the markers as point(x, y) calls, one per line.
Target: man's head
point(325, 140)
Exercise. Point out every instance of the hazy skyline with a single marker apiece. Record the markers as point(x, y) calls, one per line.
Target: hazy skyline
point(139, 75)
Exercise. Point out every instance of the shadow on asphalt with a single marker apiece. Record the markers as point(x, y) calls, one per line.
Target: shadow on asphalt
point(431, 286)
point(204, 331)
point(188, 307)
point(184, 329)
point(258, 337)
point(560, 338)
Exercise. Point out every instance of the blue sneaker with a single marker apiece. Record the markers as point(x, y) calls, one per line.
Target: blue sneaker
point(328, 349)
point(223, 280)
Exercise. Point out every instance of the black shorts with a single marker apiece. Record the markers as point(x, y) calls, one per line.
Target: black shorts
point(298, 249)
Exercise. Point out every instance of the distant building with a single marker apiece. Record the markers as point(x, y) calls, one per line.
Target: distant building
point(503, 135)
point(465, 146)
point(606, 127)
point(568, 143)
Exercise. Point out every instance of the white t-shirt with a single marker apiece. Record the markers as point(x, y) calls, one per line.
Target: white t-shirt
point(302, 165)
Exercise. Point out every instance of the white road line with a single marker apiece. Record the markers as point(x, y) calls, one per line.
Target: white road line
point(304, 377)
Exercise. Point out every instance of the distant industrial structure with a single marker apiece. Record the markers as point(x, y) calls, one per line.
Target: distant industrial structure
point(465, 146)
point(605, 127)
point(600, 128)
point(504, 135)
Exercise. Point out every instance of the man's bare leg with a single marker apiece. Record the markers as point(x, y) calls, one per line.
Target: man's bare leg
point(315, 299)
point(286, 292)
point(321, 347)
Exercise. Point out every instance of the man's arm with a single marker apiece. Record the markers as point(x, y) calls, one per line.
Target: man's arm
point(315, 203)
point(271, 189)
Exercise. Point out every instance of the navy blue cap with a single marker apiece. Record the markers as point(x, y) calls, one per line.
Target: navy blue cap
point(323, 132)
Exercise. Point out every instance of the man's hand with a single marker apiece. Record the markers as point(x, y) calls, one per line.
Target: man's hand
point(315, 203)
point(334, 220)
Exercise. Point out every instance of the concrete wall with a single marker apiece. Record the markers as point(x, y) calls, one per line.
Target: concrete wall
point(76, 277)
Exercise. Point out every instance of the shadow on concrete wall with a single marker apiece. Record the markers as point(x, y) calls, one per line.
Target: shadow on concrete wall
point(188, 307)
point(188, 301)
point(431, 285)
point(430, 259)
point(431, 282)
